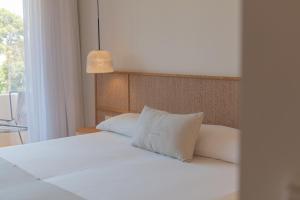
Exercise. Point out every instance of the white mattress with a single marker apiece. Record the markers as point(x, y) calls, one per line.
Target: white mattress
point(105, 166)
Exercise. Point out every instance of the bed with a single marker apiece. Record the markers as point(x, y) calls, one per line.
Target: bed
point(105, 166)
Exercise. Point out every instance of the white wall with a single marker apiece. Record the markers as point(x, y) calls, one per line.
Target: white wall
point(89, 41)
point(173, 36)
point(170, 36)
point(271, 97)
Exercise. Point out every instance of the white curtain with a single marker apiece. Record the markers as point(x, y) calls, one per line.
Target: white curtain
point(53, 72)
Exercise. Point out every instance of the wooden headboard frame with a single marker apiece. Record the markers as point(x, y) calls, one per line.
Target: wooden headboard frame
point(218, 97)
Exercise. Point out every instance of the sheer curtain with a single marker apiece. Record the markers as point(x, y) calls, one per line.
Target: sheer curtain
point(53, 72)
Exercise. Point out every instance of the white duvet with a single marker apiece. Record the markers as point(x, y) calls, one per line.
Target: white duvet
point(105, 166)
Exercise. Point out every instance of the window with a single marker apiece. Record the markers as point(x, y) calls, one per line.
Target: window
point(11, 46)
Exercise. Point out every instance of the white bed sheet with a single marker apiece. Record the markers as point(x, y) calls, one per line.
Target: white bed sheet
point(105, 166)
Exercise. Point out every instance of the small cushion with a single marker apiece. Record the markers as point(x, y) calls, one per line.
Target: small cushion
point(218, 142)
point(173, 135)
point(123, 124)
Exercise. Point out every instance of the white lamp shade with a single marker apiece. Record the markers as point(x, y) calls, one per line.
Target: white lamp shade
point(99, 62)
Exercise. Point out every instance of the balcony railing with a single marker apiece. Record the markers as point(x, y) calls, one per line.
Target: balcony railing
point(8, 138)
point(5, 107)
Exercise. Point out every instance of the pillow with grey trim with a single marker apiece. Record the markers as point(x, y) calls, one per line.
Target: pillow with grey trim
point(173, 135)
point(123, 124)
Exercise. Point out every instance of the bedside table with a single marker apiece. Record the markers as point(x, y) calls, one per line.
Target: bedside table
point(82, 131)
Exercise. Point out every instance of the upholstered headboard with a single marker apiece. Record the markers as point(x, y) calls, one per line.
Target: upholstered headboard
point(218, 97)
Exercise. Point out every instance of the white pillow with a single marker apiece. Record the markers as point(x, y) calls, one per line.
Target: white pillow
point(173, 135)
point(122, 124)
point(218, 142)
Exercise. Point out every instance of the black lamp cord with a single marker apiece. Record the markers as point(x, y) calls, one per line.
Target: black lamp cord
point(98, 15)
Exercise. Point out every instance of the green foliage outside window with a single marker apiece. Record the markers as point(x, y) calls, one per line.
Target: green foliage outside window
point(11, 52)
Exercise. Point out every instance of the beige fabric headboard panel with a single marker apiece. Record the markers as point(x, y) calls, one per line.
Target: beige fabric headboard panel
point(217, 97)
